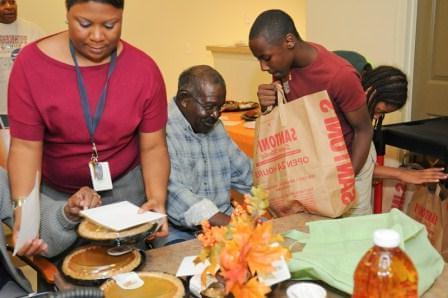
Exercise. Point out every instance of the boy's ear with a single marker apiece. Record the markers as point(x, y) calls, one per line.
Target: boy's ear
point(290, 41)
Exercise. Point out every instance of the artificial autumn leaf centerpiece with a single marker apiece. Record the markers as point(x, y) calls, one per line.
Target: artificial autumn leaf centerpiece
point(244, 249)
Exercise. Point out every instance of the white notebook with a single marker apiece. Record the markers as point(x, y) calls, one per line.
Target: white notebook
point(120, 216)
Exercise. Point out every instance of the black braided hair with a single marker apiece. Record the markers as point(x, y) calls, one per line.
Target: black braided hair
point(273, 25)
point(389, 84)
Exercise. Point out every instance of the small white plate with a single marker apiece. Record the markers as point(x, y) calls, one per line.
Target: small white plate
point(120, 216)
point(249, 124)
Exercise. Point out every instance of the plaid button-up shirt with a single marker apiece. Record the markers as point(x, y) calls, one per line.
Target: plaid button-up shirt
point(204, 167)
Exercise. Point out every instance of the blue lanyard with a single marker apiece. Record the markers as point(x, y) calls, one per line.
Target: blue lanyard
point(92, 123)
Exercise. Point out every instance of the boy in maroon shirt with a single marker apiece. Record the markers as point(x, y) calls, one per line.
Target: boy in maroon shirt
point(304, 68)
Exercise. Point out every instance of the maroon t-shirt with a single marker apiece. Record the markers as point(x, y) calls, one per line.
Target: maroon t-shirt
point(335, 75)
point(44, 105)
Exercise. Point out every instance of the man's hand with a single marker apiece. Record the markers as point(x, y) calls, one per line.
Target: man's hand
point(84, 198)
point(267, 95)
point(219, 219)
point(152, 205)
point(430, 175)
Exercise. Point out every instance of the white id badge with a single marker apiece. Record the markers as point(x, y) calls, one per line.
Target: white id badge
point(100, 174)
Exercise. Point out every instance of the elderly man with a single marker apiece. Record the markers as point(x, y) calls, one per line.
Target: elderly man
point(205, 162)
point(14, 34)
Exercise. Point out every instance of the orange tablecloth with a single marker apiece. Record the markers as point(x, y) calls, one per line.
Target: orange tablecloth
point(242, 136)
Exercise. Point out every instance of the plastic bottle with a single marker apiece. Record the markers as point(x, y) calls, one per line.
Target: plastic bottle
point(385, 270)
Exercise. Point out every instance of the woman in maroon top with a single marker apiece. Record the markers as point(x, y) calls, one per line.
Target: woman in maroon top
point(88, 111)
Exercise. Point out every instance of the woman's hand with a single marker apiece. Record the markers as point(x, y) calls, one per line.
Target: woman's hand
point(152, 205)
point(33, 247)
point(30, 248)
point(84, 198)
point(430, 175)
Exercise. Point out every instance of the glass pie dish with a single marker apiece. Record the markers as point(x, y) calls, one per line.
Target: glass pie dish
point(92, 264)
point(91, 231)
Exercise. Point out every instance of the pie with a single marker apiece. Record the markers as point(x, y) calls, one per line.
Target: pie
point(93, 262)
point(156, 285)
point(232, 105)
point(90, 230)
point(251, 115)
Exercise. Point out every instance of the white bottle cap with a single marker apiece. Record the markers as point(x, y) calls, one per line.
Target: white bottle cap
point(386, 238)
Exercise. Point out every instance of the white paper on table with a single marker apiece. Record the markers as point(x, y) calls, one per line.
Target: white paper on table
point(231, 122)
point(280, 273)
point(120, 216)
point(30, 218)
point(188, 267)
point(128, 280)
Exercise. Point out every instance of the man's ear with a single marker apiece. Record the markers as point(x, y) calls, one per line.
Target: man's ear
point(181, 99)
point(183, 103)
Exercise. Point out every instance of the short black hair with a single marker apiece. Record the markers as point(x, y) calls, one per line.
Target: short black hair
point(116, 3)
point(273, 25)
point(189, 79)
point(390, 85)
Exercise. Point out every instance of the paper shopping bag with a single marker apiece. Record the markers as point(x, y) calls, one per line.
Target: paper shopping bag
point(430, 207)
point(444, 202)
point(301, 158)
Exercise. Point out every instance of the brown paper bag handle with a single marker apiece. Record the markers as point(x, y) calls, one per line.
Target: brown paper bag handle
point(438, 190)
point(281, 101)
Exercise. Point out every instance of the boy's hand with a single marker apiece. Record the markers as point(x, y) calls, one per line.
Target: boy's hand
point(267, 95)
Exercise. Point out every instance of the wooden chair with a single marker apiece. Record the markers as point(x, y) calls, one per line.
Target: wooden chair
point(50, 274)
point(3, 147)
point(41, 265)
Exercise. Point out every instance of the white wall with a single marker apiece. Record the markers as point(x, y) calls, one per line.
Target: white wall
point(175, 32)
point(382, 30)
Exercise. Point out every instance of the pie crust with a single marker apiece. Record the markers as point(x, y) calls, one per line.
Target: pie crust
point(90, 230)
point(160, 285)
point(93, 262)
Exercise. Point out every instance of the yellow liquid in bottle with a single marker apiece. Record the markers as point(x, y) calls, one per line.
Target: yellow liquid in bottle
point(384, 273)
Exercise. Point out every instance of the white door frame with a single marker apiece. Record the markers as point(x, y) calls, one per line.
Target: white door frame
point(410, 19)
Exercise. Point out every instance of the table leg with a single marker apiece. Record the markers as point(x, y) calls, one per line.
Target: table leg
point(378, 189)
